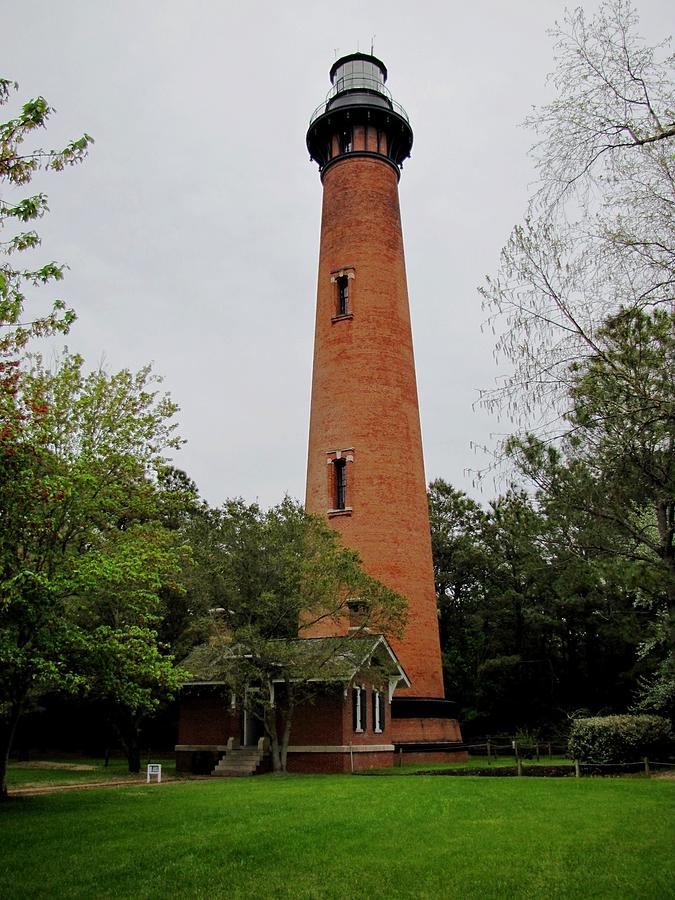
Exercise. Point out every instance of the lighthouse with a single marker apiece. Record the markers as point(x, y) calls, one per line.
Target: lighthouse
point(378, 701)
point(365, 469)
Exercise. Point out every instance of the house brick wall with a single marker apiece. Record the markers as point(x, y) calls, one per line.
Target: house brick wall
point(206, 720)
point(326, 763)
point(319, 722)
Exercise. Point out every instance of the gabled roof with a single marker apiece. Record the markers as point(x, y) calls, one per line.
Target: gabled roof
point(333, 659)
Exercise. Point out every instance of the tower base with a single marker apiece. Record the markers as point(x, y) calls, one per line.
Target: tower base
point(425, 730)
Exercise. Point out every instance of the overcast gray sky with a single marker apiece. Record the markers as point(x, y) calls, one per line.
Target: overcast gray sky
point(192, 230)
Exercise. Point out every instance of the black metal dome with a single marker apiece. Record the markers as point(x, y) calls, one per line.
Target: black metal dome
point(359, 117)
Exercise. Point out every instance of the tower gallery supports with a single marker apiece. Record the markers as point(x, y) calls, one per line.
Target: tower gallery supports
point(365, 467)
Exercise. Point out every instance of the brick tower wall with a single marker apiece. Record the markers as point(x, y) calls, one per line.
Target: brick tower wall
point(364, 402)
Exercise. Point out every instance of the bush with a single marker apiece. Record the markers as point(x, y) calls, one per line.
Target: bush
point(527, 743)
point(619, 739)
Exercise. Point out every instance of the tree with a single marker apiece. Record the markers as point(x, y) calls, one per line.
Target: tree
point(460, 567)
point(598, 236)
point(278, 575)
point(533, 626)
point(615, 470)
point(17, 167)
point(615, 464)
point(84, 553)
point(585, 291)
point(129, 675)
point(623, 428)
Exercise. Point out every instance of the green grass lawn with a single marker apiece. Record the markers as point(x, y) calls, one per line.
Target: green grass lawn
point(72, 770)
point(344, 837)
point(474, 762)
point(69, 770)
point(76, 770)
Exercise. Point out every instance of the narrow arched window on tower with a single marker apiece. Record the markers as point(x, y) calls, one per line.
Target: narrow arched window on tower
point(343, 295)
point(343, 280)
point(339, 488)
point(340, 468)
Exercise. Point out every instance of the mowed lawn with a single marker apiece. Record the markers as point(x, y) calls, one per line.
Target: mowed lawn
point(78, 771)
point(344, 837)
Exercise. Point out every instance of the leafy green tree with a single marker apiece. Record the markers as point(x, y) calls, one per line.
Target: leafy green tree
point(278, 575)
point(623, 428)
point(583, 304)
point(533, 625)
point(130, 674)
point(460, 567)
point(84, 553)
point(615, 471)
point(18, 165)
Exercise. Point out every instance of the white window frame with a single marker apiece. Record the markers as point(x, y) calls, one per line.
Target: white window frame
point(358, 717)
point(378, 707)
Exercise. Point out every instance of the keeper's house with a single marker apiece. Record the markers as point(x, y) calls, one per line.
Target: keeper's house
point(343, 721)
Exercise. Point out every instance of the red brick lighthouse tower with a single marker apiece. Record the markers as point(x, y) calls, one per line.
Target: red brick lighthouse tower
point(365, 466)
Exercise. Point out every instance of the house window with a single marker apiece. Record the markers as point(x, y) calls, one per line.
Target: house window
point(359, 709)
point(378, 711)
point(340, 468)
point(346, 141)
point(343, 295)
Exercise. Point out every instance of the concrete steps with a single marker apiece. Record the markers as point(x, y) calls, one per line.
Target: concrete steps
point(239, 762)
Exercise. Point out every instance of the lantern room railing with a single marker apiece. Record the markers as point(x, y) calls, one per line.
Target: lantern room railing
point(354, 84)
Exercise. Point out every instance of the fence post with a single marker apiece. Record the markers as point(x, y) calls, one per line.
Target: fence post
point(577, 769)
point(519, 764)
point(489, 758)
point(550, 755)
point(646, 767)
point(537, 751)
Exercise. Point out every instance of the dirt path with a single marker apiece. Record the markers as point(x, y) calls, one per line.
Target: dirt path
point(29, 790)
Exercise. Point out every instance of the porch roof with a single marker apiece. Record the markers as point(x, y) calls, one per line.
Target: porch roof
point(329, 659)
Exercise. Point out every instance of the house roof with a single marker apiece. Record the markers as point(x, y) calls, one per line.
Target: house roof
point(336, 659)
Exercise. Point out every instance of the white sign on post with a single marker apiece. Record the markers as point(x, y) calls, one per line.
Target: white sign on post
point(154, 769)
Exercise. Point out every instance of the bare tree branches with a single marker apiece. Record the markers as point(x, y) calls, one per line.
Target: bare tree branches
point(600, 230)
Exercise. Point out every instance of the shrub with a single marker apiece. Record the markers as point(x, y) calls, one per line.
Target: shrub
point(527, 742)
point(618, 739)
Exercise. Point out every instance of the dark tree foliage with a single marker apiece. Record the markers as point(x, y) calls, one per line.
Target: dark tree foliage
point(532, 630)
point(613, 478)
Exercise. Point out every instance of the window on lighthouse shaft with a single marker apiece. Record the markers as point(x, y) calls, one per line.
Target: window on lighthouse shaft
point(343, 295)
point(340, 468)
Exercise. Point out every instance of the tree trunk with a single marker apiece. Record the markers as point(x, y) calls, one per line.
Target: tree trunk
point(270, 723)
point(129, 733)
point(7, 732)
point(665, 514)
point(286, 738)
point(134, 752)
